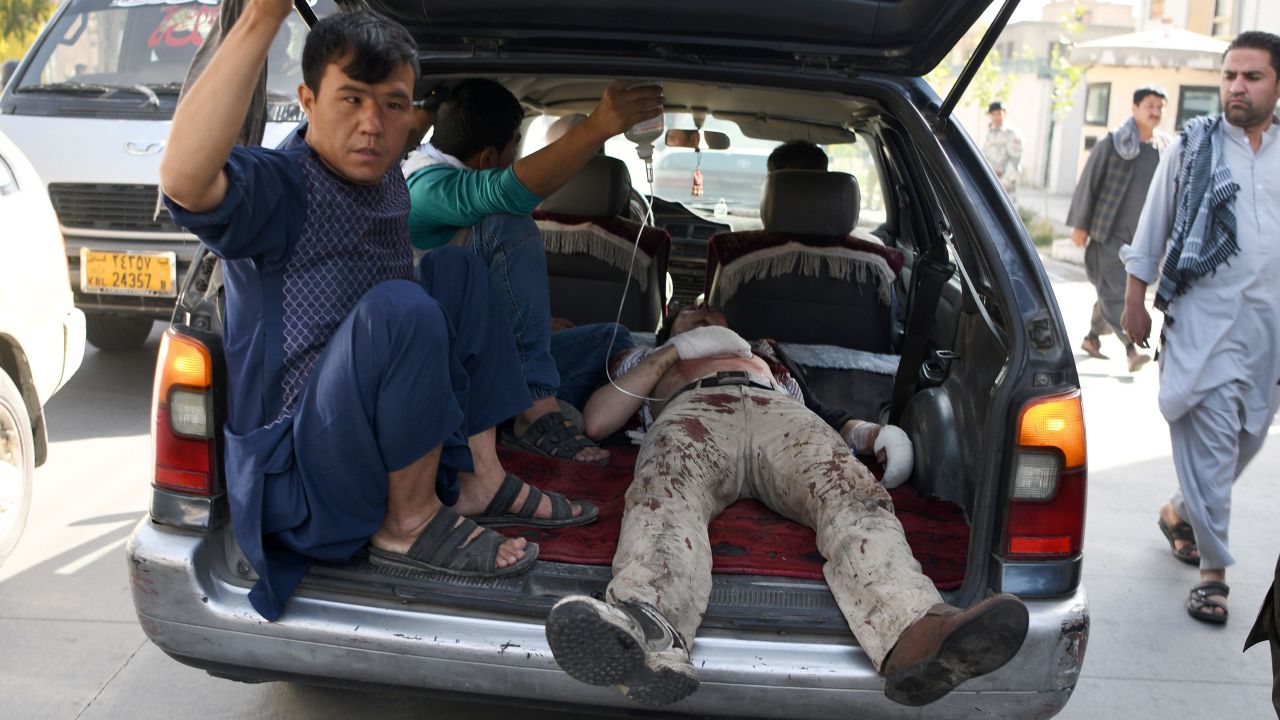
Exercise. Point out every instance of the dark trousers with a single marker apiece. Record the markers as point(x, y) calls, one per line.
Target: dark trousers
point(1106, 272)
point(404, 373)
point(1267, 629)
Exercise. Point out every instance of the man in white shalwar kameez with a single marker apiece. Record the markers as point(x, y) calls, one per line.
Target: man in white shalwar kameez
point(1214, 206)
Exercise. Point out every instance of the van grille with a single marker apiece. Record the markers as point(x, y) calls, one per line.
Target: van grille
point(129, 208)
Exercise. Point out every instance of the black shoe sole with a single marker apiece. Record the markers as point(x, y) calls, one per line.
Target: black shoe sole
point(981, 645)
point(589, 647)
point(596, 650)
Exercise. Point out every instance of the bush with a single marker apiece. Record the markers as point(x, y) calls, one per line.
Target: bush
point(1039, 227)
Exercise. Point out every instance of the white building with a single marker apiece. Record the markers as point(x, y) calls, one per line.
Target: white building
point(1025, 49)
point(1223, 19)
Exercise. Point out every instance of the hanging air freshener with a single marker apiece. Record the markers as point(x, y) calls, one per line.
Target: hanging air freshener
point(697, 174)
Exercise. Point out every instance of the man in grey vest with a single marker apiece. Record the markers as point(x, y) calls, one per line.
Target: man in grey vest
point(1105, 209)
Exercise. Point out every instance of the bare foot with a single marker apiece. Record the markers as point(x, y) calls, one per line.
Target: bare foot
point(400, 539)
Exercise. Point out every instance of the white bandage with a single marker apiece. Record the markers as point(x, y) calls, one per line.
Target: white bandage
point(859, 436)
point(709, 341)
point(894, 451)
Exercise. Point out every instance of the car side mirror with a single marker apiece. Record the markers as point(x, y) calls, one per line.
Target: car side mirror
point(6, 72)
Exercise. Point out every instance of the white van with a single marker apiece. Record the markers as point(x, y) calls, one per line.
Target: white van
point(90, 106)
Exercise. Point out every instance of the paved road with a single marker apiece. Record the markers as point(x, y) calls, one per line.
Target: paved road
point(72, 648)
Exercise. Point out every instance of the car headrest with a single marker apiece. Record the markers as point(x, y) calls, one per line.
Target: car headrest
point(601, 189)
point(809, 202)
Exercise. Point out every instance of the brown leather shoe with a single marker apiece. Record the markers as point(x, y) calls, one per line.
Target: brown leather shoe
point(1092, 346)
point(949, 645)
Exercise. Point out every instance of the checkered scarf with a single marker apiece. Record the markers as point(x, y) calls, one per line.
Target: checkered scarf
point(1204, 223)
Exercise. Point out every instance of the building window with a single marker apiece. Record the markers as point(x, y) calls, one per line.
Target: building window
point(1222, 25)
point(1097, 104)
point(1197, 100)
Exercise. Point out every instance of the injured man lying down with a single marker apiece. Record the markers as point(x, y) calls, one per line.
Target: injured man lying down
point(726, 422)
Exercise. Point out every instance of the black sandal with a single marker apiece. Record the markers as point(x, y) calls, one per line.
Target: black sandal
point(1189, 553)
point(1201, 607)
point(498, 512)
point(553, 435)
point(443, 547)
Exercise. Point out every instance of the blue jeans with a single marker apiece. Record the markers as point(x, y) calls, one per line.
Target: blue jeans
point(511, 247)
point(581, 353)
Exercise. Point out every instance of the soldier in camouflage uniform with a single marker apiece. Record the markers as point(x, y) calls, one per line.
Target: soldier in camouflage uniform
point(1003, 149)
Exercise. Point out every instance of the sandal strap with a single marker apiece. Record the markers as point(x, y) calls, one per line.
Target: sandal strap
point(1182, 531)
point(451, 543)
point(506, 495)
point(438, 533)
point(1211, 587)
point(556, 436)
point(560, 505)
point(444, 538)
point(531, 502)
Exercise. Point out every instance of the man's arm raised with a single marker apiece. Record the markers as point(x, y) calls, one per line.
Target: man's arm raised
point(206, 121)
point(620, 107)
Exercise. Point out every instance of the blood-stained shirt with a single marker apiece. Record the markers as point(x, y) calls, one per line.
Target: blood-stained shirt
point(788, 381)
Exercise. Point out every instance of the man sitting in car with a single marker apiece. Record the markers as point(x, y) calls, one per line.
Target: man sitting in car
point(467, 181)
point(360, 407)
point(727, 424)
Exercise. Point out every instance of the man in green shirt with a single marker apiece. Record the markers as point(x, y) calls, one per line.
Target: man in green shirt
point(467, 186)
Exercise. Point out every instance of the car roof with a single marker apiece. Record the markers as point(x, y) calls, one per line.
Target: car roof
point(905, 37)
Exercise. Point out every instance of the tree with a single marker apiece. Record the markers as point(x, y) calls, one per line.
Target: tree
point(20, 22)
point(1066, 76)
point(988, 84)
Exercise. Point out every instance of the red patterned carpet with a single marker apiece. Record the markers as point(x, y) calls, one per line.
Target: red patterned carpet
point(748, 538)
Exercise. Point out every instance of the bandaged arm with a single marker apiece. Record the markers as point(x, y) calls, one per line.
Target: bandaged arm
point(889, 443)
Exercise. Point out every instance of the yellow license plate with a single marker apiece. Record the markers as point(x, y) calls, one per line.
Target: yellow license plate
point(128, 273)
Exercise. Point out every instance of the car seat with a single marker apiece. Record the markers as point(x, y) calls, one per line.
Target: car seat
point(806, 277)
point(590, 245)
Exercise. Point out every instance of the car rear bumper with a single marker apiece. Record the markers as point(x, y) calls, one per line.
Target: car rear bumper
point(192, 613)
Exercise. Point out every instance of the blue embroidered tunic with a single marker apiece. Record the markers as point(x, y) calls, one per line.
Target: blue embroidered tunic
point(300, 247)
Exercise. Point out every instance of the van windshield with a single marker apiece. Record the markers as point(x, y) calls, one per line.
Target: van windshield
point(731, 179)
point(144, 47)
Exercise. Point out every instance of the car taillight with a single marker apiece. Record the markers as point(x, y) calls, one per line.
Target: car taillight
point(182, 416)
point(1045, 520)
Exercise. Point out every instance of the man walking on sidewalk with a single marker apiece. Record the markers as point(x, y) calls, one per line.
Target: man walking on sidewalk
point(1207, 235)
point(1105, 209)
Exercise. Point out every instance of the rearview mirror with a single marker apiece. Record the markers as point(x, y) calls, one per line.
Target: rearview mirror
point(683, 139)
point(716, 140)
point(693, 138)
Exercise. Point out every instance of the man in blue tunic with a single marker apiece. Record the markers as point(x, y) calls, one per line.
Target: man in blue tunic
point(351, 417)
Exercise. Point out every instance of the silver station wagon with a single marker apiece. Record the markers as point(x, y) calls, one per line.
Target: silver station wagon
point(907, 291)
